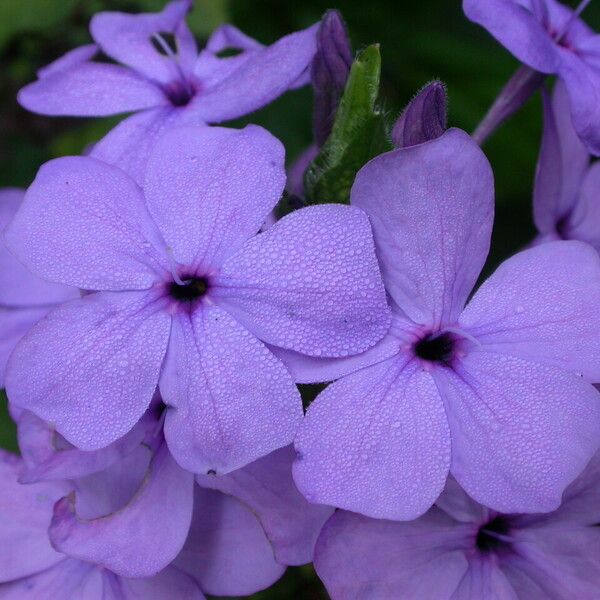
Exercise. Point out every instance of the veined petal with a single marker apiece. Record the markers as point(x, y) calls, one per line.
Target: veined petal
point(230, 400)
point(310, 283)
point(85, 223)
point(431, 209)
point(91, 366)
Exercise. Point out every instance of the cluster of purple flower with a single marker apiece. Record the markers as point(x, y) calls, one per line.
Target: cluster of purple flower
point(156, 316)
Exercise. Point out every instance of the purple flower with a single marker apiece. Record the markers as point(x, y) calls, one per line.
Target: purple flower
point(188, 296)
point(567, 187)
point(24, 298)
point(30, 567)
point(140, 512)
point(165, 86)
point(497, 392)
point(462, 550)
point(550, 38)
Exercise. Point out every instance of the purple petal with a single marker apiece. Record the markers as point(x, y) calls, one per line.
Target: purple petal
point(584, 223)
point(25, 513)
point(231, 400)
point(521, 431)
point(375, 442)
point(310, 369)
point(142, 537)
point(103, 352)
point(18, 286)
point(561, 166)
point(90, 89)
point(455, 502)
point(171, 583)
point(229, 37)
point(222, 183)
point(85, 223)
point(129, 144)
point(542, 305)
point(580, 74)
point(227, 551)
point(127, 38)
point(72, 58)
point(266, 486)
point(555, 562)
point(431, 208)
point(66, 580)
point(310, 283)
point(485, 579)
point(14, 324)
point(295, 180)
point(358, 558)
point(262, 78)
point(518, 29)
point(45, 460)
point(424, 118)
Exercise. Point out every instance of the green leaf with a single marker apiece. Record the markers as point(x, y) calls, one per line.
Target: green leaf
point(359, 133)
point(8, 430)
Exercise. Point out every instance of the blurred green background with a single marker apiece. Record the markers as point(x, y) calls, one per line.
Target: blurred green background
point(420, 41)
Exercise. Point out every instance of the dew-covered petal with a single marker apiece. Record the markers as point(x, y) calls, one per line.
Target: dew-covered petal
point(18, 286)
point(230, 400)
point(562, 163)
point(431, 208)
point(266, 486)
point(91, 366)
point(85, 223)
point(584, 223)
point(127, 38)
point(375, 442)
point(264, 76)
point(310, 283)
point(209, 189)
point(227, 550)
point(129, 144)
point(582, 81)
point(140, 538)
point(311, 369)
point(90, 89)
point(357, 557)
point(171, 583)
point(542, 305)
point(25, 513)
point(521, 431)
point(47, 456)
point(518, 28)
point(14, 324)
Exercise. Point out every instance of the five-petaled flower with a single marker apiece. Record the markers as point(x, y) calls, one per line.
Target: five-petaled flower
point(187, 296)
point(498, 392)
point(165, 86)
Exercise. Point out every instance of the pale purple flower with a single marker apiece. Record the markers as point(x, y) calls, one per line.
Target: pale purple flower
point(566, 197)
point(424, 118)
point(188, 296)
point(551, 38)
point(165, 86)
point(30, 567)
point(496, 392)
point(24, 298)
point(461, 550)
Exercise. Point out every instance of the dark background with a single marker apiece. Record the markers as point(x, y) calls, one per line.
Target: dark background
point(420, 41)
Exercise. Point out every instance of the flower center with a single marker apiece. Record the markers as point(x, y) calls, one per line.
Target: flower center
point(192, 289)
point(438, 348)
point(489, 536)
